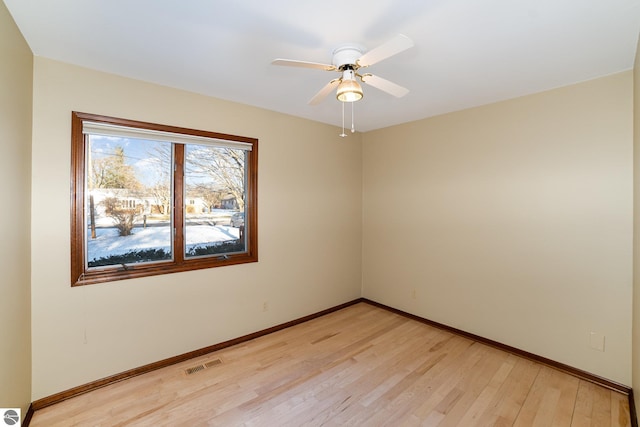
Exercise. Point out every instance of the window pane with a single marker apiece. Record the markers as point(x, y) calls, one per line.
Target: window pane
point(214, 200)
point(128, 201)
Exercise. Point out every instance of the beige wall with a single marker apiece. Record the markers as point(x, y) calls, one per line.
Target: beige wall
point(512, 221)
point(309, 234)
point(636, 229)
point(16, 69)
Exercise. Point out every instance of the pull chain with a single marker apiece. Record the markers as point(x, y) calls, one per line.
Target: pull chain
point(353, 126)
point(343, 134)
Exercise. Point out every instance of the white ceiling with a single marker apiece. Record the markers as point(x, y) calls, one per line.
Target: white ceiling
point(467, 52)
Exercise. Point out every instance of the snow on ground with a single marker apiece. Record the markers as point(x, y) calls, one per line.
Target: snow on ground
point(107, 241)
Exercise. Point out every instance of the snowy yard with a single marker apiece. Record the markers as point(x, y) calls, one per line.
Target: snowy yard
point(107, 241)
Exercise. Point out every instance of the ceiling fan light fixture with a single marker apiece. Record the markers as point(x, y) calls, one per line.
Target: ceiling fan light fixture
point(349, 90)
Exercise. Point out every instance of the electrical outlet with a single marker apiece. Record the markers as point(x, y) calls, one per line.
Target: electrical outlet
point(414, 294)
point(596, 341)
point(265, 306)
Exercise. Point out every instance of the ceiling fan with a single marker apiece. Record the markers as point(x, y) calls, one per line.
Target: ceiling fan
point(348, 59)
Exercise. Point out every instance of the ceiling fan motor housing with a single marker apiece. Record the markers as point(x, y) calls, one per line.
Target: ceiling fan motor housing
point(346, 57)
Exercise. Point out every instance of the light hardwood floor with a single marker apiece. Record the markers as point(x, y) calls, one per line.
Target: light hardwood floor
point(362, 365)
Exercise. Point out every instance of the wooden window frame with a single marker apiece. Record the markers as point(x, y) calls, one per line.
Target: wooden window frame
point(80, 275)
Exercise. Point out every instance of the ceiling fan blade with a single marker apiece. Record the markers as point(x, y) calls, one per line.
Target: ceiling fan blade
point(303, 64)
point(326, 90)
point(385, 85)
point(396, 45)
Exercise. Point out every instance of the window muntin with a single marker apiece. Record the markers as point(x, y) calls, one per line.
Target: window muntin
point(152, 199)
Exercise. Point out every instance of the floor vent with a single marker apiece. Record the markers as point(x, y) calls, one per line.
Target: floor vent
point(202, 367)
point(213, 362)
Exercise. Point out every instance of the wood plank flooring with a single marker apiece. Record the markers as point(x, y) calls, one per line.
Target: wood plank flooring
point(362, 365)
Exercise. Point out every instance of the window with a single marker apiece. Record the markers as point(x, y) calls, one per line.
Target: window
point(150, 199)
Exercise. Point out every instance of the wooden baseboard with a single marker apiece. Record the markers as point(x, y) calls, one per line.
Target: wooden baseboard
point(76, 391)
point(26, 420)
point(632, 410)
point(612, 385)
